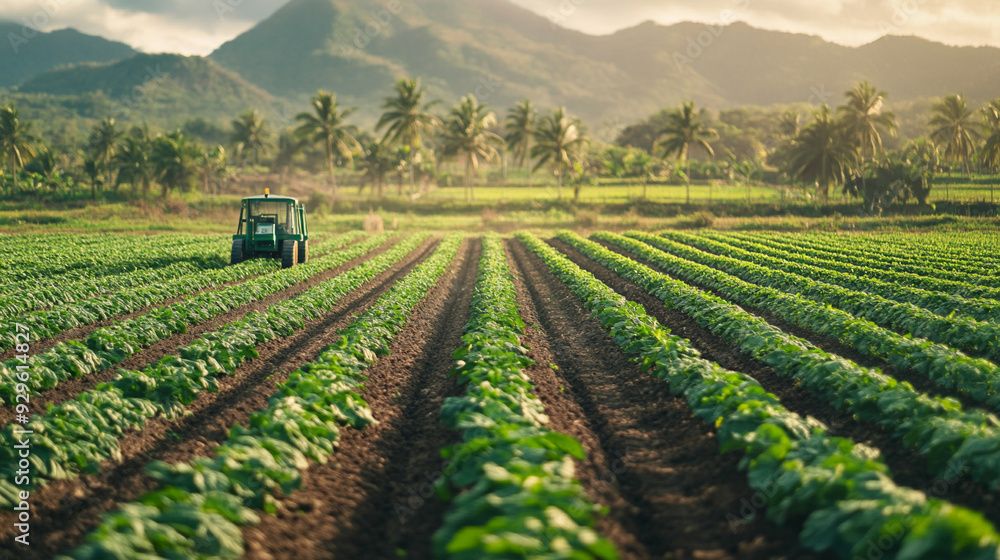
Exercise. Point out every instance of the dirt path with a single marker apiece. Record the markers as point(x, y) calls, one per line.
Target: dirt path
point(908, 468)
point(65, 511)
point(375, 497)
point(70, 388)
point(654, 464)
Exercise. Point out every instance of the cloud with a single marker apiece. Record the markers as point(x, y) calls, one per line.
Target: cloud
point(849, 22)
point(181, 26)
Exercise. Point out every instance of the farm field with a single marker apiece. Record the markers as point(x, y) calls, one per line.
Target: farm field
point(419, 394)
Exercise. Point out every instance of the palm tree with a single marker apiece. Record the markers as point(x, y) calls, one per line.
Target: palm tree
point(864, 118)
point(406, 119)
point(559, 142)
point(251, 138)
point(953, 128)
point(288, 147)
point(326, 125)
point(103, 143)
point(92, 169)
point(685, 128)
point(174, 159)
point(789, 124)
point(991, 133)
point(922, 153)
point(212, 166)
point(377, 161)
point(16, 139)
point(519, 130)
point(822, 153)
point(466, 134)
point(133, 162)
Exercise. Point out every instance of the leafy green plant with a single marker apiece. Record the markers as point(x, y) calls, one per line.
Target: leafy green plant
point(841, 489)
point(935, 427)
point(202, 504)
point(519, 497)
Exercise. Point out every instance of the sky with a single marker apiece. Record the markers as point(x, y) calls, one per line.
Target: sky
point(200, 26)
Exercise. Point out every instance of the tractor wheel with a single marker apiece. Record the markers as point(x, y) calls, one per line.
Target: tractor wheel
point(236, 257)
point(303, 251)
point(289, 254)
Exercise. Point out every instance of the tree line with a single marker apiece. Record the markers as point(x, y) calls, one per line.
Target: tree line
point(409, 139)
point(840, 146)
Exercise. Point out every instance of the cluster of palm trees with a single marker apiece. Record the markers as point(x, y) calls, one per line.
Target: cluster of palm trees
point(408, 137)
point(846, 147)
point(110, 157)
point(839, 146)
point(470, 133)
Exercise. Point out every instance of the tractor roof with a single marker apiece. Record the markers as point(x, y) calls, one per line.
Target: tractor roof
point(273, 198)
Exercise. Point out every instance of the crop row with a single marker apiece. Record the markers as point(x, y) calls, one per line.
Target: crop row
point(79, 435)
point(948, 250)
point(936, 427)
point(951, 369)
point(48, 323)
point(42, 259)
point(521, 499)
point(976, 337)
point(202, 503)
point(936, 302)
point(870, 261)
point(842, 490)
point(63, 292)
point(112, 345)
point(965, 289)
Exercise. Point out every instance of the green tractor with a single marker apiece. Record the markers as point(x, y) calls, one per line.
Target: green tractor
point(272, 227)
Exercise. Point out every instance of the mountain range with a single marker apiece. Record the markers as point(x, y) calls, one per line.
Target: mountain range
point(504, 53)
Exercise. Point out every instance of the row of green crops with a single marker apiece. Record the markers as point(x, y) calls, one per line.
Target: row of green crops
point(842, 490)
point(48, 323)
point(41, 297)
point(28, 260)
point(872, 261)
point(937, 302)
point(520, 497)
point(979, 378)
point(936, 427)
point(79, 435)
point(202, 503)
point(968, 289)
point(941, 250)
point(112, 345)
point(976, 337)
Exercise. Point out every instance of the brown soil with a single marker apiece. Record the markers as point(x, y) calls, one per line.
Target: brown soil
point(375, 497)
point(908, 468)
point(70, 388)
point(65, 511)
point(655, 466)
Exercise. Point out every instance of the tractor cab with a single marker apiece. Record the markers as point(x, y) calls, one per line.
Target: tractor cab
point(271, 227)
